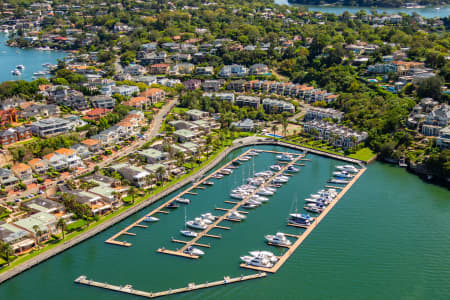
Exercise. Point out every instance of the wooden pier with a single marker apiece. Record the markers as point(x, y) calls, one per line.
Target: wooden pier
point(128, 289)
point(112, 240)
point(308, 230)
point(224, 217)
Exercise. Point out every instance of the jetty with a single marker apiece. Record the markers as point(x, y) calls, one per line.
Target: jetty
point(128, 289)
point(308, 230)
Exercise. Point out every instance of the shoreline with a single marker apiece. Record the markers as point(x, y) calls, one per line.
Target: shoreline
point(145, 203)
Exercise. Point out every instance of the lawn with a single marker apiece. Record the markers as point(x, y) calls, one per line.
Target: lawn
point(364, 154)
point(179, 110)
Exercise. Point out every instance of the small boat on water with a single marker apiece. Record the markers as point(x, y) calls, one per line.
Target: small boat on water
point(253, 153)
point(208, 216)
point(248, 205)
point(275, 167)
point(234, 215)
point(348, 168)
point(257, 261)
point(267, 254)
point(265, 192)
point(217, 176)
point(151, 219)
point(226, 171)
point(245, 158)
point(278, 239)
point(339, 181)
point(284, 157)
point(292, 169)
point(172, 205)
point(208, 182)
point(342, 174)
point(183, 200)
point(236, 163)
point(20, 67)
point(300, 219)
point(16, 72)
point(197, 223)
point(314, 209)
point(193, 251)
point(188, 233)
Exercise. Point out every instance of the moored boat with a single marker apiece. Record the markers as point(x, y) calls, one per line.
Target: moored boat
point(151, 219)
point(188, 233)
point(278, 239)
point(193, 251)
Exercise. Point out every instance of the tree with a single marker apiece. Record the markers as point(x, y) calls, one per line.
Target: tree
point(61, 224)
point(160, 174)
point(285, 124)
point(132, 192)
point(7, 250)
point(274, 129)
point(430, 87)
point(37, 234)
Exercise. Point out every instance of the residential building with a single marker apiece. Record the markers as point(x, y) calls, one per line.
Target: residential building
point(195, 114)
point(204, 71)
point(192, 84)
point(443, 141)
point(152, 155)
point(95, 202)
point(44, 205)
point(109, 189)
point(96, 113)
point(275, 106)
point(22, 172)
point(134, 70)
point(233, 71)
point(136, 176)
point(318, 113)
point(92, 144)
point(50, 126)
point(103, 101)
point(338, 136)
point(7, 178)
point(44, 221)
point(125, 90)
point(8, 116)
point(244, 125)
point(182, 69)
point(221, 96)
point(63, 158)
point(259, 69)
point(39, 110)
point(154, 95)
point(159, 68)
point(249, 101)
point(184, 135)
point(38, 165)
point(13, 135)
point(20, 239)
point(212, 85)
point(82, 151)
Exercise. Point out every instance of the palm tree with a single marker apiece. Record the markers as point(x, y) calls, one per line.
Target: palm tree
point(160, 174)
point(37, 234)
point(7, 250)
point(180, 158)
point(61, 224)
point(285, 124)
point(208, 143)
point(274, 129)
point(132, 192)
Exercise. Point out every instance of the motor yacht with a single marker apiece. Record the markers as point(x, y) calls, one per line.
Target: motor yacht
point(226, 171)
point(248, 205)
point(338, 181)
point(284, 157)
point(314, 209)
point(20, 67)
point(239, 196)
point(234, 215)
point(193, 251)
point(188, 233)
point(208, 216)
point(280, 179)
point(16, 72)
point(257, 261)
point(292, 169)
point(208, 182)
point(253, 153)
point(300, 219)
point(267, 254)
point(348, 168)
point(317, 201)
point(172, 205)
point(151, 219)
point(236, 163)
point(265, 192)
point(197, 223)
point(342, 174)
point(217, 176)
point(275, 167)
point(259, 198)
point(278, 239)
point(183, 200)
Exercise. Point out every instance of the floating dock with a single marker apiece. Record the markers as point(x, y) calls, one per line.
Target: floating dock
point(308, 230)
point(128, 289)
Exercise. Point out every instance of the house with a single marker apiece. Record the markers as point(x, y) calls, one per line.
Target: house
point(154, 58)
point(73, 99)
point(191, 148)
point(244, 125)
point(152, 155)
point(259, 69)
point(39, 110)
point(45, 222)
point(184, 135)
point(192, 84)
point(443, 141)
point(7, 178)
point(212, 85)
point(50, 126)
point(96, 113)
point(82, 151)
point(138, 102)
point(208, 71)
point(221, 96)
point(135, 70)
point(44, 205)
point(103, 101)
point(318, 113)
point(154, 95)
point(8, 116)
point(159, 68)
point(92, 144)
point(250, 101)
point(38, 165)
point(233, 70)
point(63, 158)
point(136, 176)
point(13, 135)
point(436, 119)
point(22, 172)
point(182, 69)
point(195, 114)
point(237, 86)
point(275, 106)
point(338, 136)
point(181, 124)
point(109, 189)
point(125, 90)
point(95, 202)
point(20, 239)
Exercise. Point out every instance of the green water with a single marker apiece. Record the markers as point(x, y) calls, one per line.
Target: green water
point(387, 238)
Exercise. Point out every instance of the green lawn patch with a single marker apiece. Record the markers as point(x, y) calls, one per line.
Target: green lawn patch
point(364, 154)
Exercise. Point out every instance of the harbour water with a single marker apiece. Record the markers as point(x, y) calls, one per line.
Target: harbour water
point(387, 238)
point(426, 12)
point(32, 59)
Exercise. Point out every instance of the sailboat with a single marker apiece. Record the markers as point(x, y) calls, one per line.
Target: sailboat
point(186, 232)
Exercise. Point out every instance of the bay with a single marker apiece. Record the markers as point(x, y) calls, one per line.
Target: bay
point(426, 12)
point(387, 238)
point(32, 59)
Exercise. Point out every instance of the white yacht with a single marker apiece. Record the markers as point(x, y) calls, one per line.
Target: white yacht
point(292, 169)
point(259, 198)
point(183, 200)
point(20, 67)
point(208, 216)
point(239, 196)
point(258, 261)
point(275, 167)
point(342, 174)
point(234, 215)
point(348, 168)
point(267, 254)
point(16, 72)
point(151, 219)
point(193, 251)
point(265, 192)
point(278, 239)
point(197, 223)
point(226, 171)
point(188, 233)
point(284, 157)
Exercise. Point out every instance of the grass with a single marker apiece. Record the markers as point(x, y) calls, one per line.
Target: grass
point(179, 110)
point(364, 154)
point(21, 259)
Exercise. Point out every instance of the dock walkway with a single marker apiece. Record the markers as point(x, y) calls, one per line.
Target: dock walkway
point(128, 289)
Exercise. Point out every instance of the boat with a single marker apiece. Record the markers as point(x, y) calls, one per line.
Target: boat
point(239, 196)
point(257, 261)
point(281, 179)
point(197, 223)
point(172, 205)
point(300, 219)
point(234, 215)
point(208, 182)
point(245, 158)
point(226, 171)
point(193, 251)
point(348, 168)
point(16, 73)
point(208, 216)
point(342, 174)
point(265, 192)
point(248, 205)
point(259, 198)
point(151, 219)
point(278, 239)
point(284, 157)
point(188, 233)
point(275, 167)
point(339, 181)
point(20, 67)
point(183, 200)
point(267, 254)
point(253, 153)
point(236, 163)
point(314, 209)
point(292, 169)
point(217, 176)
point(39, 74)
point(317, 201)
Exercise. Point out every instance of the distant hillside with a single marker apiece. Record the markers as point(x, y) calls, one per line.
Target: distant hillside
point(369, 3)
